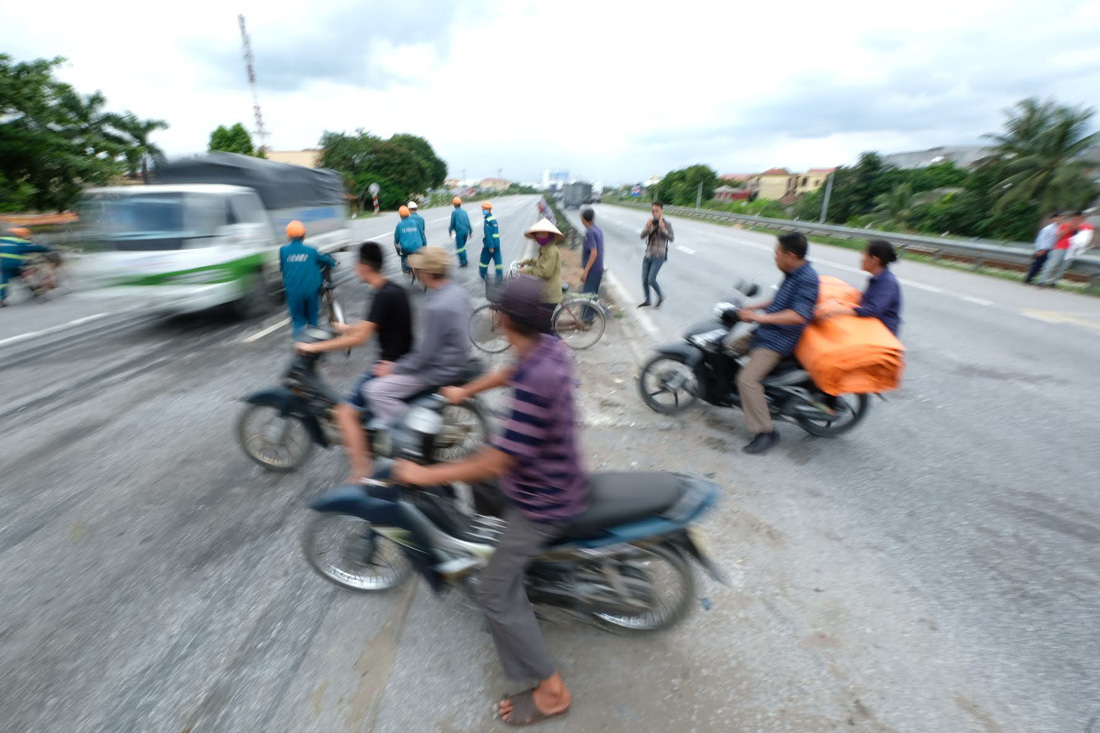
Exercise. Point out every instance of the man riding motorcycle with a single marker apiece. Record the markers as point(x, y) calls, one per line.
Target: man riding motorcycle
point(15, 250)
point(538, 461)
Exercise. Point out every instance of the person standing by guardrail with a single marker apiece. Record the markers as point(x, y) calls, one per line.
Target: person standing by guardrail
point(657, 235)
point(460, 227)
point(1048, 235)
point(1059, 259)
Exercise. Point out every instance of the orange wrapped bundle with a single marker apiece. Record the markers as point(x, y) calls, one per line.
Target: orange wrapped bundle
point(849, 354)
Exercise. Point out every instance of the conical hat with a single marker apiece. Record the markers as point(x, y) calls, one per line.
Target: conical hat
point(544, 225)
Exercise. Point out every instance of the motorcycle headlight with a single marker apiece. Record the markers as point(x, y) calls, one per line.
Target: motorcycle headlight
point(415, 433)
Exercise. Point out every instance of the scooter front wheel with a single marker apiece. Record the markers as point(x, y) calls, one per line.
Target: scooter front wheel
point(278, 442)
point(668, 385)
point(346, 551)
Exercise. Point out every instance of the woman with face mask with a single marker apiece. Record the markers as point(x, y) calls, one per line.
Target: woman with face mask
point(547, 265)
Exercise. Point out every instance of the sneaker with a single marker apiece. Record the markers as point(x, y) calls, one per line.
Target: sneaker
point(762, 443)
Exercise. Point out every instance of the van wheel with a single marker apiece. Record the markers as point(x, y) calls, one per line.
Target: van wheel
point(256, 300)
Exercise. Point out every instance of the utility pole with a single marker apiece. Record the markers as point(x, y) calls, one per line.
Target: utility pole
point(825, 203)
point(248, 63)
point(699, 196)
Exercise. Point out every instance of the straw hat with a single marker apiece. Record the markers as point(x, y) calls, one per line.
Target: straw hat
point(431, 259)
point(543, 226)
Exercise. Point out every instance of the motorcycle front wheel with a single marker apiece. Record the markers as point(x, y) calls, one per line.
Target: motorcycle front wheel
point(660, 578)
point(668, 385)
point(277, 442)
point(346, 551)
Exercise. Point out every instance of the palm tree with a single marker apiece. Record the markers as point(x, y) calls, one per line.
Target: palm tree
point(1040, 151)
point(140, 148)
point(896, 205)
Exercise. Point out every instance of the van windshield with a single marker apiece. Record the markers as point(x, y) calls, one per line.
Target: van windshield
point(148, 220)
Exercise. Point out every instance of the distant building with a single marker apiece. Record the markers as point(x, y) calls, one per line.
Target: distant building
point(554, 179)
point(812, 180)
point(309, 158)
point(728, 193)
point(779, 184)
point(494, 184)
point(737, 180)
point(964, 156)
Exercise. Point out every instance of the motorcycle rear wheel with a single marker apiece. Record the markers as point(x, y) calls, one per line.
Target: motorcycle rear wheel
point(465, 431)
point(659, 565)
point(347, 552)
point(848, 416)
point(287, 453)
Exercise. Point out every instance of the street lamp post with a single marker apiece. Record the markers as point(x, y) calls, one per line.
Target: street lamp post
point(825, 203)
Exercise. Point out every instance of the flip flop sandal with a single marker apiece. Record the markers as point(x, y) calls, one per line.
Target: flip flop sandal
point(524, 710)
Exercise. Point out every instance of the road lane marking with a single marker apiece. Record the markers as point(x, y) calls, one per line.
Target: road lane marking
point(260, 334)
point(1058, 317)
point(685, 250)
point(61, 327)
point(976, 301)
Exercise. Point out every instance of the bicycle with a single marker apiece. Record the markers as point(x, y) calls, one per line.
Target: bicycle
point(409, 273)
point(331, 310)
point(579, 321)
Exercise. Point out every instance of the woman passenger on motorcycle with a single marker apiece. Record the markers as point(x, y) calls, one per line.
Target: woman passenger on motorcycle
point(538, 461)
point(882, 298)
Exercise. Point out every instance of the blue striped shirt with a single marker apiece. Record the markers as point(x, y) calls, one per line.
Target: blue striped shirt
point(797, 293)
point(547, 482)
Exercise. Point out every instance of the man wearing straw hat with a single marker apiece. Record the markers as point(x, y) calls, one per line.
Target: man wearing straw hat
point(547, 265)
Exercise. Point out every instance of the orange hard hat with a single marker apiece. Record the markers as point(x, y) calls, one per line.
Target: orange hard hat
point(456, 201)
point(295, 230)
point(21, 232)
point(403, 211)
point(486, 205)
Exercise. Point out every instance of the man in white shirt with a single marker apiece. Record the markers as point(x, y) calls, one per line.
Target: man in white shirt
point(1043, 244)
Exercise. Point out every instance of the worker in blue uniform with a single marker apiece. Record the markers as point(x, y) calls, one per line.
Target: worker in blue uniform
point(301, 266)
point(461, 229)
point(407, 237)
point(15, 250)
point(490, 244)
point(423, 225)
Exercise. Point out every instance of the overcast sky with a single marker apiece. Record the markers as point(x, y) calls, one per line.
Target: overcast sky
point(611, 91)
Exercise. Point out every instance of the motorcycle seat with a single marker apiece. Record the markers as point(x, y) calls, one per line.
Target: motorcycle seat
point(621, 498)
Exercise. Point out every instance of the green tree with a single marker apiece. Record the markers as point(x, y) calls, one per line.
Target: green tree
point(141, 148)
point(54, 141)
point(681, 187)
point(403, 166)
point(1040, 148)
point(895, 206)
point(233, 139)
point(437, 167)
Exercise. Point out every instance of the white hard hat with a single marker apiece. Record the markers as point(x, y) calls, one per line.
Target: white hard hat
point(412, 204)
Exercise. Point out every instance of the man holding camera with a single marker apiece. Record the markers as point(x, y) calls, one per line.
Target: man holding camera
point(657, 235)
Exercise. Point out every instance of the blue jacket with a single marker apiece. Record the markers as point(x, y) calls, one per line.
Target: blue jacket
point(301, 266)
point(408, 236)
point(460, 223)
point(491, 239)
point(421, 225)
point(14, 252)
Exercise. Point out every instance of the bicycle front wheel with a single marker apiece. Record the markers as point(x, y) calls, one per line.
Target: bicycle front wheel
point(486, 331)
point(579, 323)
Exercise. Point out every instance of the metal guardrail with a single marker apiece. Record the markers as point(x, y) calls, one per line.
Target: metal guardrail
point(981, 251)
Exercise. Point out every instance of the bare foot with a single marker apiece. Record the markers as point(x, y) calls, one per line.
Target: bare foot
point(551, 697)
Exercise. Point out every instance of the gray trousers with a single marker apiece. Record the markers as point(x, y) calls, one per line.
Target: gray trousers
point(750, 385)
point(503, 598)
point(1056, 265)
point(385, 396)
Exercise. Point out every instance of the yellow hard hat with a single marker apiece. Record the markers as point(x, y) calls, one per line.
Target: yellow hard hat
point(403, 211)
point(295, 230)
point(486, 205)
point(456, 201)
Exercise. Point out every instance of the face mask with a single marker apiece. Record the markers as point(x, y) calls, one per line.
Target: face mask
point(544, 239)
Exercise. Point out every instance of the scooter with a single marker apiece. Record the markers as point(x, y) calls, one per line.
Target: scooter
point(701, 367)
point(279, 427)
point(625, 563)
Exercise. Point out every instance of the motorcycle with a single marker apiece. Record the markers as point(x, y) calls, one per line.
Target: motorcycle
point(624, 563)
point(702, 367)
point(279, 427)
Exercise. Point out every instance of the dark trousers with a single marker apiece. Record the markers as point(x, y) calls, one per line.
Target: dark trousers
point(460, 247)
point(1037, 263)
point(304, 309)
point(650, 267)
point(592, 287)
point(503, 598)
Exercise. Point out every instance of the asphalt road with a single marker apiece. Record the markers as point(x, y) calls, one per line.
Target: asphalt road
point(975, 484)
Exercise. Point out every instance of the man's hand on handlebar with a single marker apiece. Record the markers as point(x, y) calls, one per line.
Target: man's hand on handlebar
point(303, 348)
point(454, 395)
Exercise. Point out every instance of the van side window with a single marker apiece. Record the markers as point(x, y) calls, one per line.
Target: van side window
point(248, 209)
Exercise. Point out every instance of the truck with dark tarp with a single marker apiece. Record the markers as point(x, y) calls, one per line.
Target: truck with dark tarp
point(574, 195)
point(206, 232)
